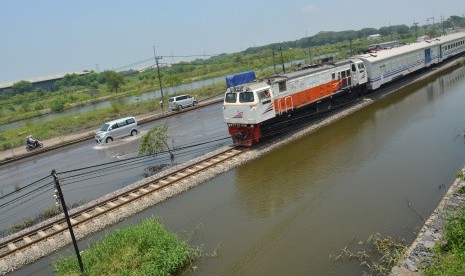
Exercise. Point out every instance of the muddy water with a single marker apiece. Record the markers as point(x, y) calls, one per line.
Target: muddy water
point(287, 212)
point(381, 170)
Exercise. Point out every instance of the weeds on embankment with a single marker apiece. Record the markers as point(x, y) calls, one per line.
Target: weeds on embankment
point(378, 255)
point(143, 249)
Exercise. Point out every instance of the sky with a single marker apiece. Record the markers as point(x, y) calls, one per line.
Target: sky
point(47, 37)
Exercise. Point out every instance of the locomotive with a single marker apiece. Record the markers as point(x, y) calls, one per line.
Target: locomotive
point(251, 105)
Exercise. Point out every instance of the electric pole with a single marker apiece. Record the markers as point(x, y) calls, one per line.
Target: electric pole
point(274, 64)
point(415, 26)
point(159, 77)
point(309, 40)
point(68, 221)
point(282, 60)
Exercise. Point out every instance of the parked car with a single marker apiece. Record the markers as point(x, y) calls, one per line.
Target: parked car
point(117, 129)
point(180, 102)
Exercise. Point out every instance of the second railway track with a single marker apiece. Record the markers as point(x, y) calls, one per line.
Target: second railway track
point(30, 239)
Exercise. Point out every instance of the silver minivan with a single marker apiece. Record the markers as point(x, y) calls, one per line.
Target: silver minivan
point(180, 102)
point(117, 129)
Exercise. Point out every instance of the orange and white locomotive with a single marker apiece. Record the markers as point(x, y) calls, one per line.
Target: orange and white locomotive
point(249, 105)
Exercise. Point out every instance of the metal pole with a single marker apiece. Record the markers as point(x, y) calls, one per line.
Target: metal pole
point(159, 77)
point(70, 227)
point(282, 60)
point(274, 64)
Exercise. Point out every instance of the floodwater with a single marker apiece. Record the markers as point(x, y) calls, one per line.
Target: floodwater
point(381, 170)
point(124, 100)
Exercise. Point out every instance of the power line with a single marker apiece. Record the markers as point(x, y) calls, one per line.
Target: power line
point(24, 187)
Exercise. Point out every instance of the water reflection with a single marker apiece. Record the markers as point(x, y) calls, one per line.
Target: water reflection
point(301, 169)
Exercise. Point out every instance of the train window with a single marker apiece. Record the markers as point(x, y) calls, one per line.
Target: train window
point(354, 68)
point(348, 73)
point(230, 97)
point(264, 94)
point(246, 97)
point(282, 86)
point(343, 74)
point(333, 76)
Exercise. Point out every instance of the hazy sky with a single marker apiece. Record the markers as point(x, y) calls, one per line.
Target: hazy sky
point(41, 38)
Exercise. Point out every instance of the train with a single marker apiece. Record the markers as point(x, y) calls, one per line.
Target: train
point(251, 106)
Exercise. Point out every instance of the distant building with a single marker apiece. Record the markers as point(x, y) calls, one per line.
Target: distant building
point(374, 37)
point(45, 83)
point(423, 38)
point(383, 46)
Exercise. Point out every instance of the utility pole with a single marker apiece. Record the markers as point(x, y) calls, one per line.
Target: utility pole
point(274, 64)
point(351, 51)
point(308, 46)
point(159, 77)
point(282, 60)
point(415, 25)
point(70, 227)
point(443, 27)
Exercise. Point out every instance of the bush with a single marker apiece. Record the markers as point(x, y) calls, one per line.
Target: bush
point(144, 249)
point(57, 105)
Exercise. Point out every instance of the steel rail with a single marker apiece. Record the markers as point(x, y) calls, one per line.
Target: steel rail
point(58, 226)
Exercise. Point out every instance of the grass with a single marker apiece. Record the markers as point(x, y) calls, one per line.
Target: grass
point(377, 255)
point(144, 249)
point(449, 259)
point(449, 255)
point(68, 124)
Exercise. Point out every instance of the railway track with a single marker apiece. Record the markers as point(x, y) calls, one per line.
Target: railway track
point(48, 231)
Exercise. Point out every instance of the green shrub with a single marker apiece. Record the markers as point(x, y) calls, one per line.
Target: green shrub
point(144, 249)
point(450, 259)
point(57, 105)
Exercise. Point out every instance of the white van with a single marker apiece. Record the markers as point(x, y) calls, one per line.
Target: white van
point(180, 102)
point(117, 129)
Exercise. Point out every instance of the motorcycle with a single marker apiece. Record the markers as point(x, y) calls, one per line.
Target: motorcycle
point(35, 145)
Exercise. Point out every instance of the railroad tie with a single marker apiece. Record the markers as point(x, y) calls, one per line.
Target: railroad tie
point(27, 240)
point(57, 227)
point(11, 246)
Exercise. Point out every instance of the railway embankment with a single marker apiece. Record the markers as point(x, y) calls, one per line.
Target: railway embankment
point(420, 252)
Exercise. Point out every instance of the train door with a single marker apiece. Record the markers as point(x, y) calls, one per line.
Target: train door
point(265, 107)
point(358, 73)
point(427, 56)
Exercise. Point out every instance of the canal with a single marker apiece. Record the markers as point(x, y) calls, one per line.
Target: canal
point(381, 170)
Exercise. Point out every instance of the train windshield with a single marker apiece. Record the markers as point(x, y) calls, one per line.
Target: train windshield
point(246, 97)
point(230, 97)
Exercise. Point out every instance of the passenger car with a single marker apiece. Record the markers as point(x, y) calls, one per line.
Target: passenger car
point(180, 102)
point(117, 129)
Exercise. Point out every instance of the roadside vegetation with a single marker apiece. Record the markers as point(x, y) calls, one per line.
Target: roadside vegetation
point(144, 249)
point(67, 124)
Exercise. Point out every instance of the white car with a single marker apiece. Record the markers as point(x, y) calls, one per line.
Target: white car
point(117, 129)
point(180, 102)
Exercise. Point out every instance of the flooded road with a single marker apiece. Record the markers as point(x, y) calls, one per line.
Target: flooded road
point(381, 170)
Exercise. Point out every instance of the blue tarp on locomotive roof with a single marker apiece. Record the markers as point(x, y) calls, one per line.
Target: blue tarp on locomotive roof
point(240, 78)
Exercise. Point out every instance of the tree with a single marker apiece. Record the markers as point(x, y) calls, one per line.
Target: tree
point(22, 87)
point(155, 141)
point(114, 80)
